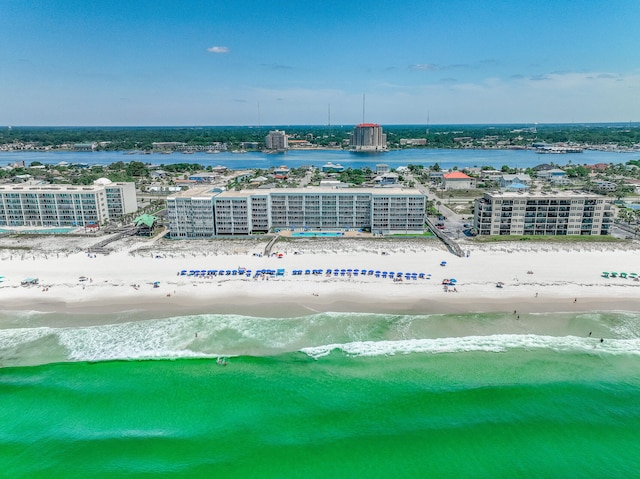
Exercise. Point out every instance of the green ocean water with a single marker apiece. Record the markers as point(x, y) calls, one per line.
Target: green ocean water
point(332, 395)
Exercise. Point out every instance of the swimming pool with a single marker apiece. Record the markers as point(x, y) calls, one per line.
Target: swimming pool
point(315, 234)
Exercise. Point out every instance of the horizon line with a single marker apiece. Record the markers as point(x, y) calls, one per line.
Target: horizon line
point(431, 125)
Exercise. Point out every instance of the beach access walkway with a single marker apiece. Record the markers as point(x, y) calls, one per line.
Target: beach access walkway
point(449, 242)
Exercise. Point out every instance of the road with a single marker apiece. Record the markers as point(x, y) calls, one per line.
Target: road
point(453, 222)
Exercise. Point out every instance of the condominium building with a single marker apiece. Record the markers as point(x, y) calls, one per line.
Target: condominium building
point(560, 213)
point(65, 205)
point(277, 140)
point(368, 137)
point(206, 212)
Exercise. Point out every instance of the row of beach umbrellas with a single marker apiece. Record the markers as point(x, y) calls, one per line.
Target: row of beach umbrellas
point(613, 274)
point(361, 272)
point(299, 272)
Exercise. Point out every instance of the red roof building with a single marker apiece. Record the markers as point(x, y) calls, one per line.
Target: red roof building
point(457, 180)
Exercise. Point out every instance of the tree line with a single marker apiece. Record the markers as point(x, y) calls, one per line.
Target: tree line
point(437, 136)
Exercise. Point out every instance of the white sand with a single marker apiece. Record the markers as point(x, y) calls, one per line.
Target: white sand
point(561, 274)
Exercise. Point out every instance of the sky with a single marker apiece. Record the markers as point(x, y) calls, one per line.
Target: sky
point(262, 62)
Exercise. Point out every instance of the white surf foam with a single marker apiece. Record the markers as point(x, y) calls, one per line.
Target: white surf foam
point(494, 344)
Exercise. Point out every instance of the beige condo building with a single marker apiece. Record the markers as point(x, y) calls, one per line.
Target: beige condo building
point(559, 213)
point(205, 212)
point(65, 205)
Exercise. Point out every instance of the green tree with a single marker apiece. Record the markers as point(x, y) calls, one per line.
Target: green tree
point(136, 168)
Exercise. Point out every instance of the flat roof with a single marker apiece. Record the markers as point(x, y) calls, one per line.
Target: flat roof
point(539, 195)
point(55, 187)
point(208, 192)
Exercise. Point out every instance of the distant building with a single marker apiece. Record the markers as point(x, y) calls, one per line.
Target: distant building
point(299, 144)
point(368, 137)
point(386, 179)
point(167, 145)
point(561, 213)
point(508, 180)
point(457, 180)
point(550, 174)
point(277, 140)
point(85, 146)
point(381, 169)
point(413, 141)
point(606, 186)
point(332, 168)
point(203, 177)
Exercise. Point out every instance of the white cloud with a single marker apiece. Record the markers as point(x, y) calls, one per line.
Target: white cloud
point(429, 67)
point(218, 49)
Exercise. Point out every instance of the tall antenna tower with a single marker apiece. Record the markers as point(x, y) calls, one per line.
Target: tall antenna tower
point(363, 98)
point(259, 121)
point(329, 115)
point(427, 122)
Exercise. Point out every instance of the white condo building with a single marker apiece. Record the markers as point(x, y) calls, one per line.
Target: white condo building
point(561, 213)
point(277, 140)
point(65, 205)
point(368, 137)
point(201, 213)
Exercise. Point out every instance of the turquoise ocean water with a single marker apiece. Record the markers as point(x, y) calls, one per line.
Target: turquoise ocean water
point(327, 395)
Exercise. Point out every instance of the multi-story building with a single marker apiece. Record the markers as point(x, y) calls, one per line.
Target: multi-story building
point(206, 212)
point(277, 140)
point(368, 137)
point(560, 213)
point(65, 205)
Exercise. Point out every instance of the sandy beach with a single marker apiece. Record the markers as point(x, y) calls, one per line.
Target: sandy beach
point(535, 277)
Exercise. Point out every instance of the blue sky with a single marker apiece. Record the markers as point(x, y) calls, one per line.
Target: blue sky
point(241, 62)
